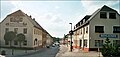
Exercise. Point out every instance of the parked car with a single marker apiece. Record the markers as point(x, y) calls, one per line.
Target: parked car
point(57, 43)
point(48, 46)
point(53, 45)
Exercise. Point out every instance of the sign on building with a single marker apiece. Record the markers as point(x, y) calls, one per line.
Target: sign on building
point(108, 36)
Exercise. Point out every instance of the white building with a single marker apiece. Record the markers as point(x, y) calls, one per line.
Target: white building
point(20, 22)
point(90, 32)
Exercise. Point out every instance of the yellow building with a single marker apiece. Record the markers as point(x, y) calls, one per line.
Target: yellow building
point(20, 22)
point(90, 32)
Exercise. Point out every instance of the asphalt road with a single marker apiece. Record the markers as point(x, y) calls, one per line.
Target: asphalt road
point(46, 52)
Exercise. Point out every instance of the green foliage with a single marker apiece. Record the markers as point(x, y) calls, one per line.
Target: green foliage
point(9, 36)
point(3, 52)
point(110, 51)
point(107, 41)
point(20, 38)
point(65, 36)
point(56, 39)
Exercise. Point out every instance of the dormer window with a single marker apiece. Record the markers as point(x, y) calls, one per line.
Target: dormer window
point(112, 15)
point(74, 27)
point(103, 15)
point(79, 23)
point(83, 20)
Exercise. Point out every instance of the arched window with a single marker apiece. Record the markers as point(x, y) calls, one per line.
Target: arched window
point(35, 41)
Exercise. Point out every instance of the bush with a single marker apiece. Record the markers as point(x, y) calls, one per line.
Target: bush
point(110, 51)
point(3, 52)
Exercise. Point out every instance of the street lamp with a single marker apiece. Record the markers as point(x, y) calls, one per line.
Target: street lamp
point(71, 32)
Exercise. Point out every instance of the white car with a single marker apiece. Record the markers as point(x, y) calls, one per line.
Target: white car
point(57, 43)
point(53, 45)
point(2, 56)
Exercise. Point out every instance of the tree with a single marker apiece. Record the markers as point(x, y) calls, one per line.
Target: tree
point(20, 38)
point(56, 39)
point(9, 36)
point(65, 37)
point(110, 51)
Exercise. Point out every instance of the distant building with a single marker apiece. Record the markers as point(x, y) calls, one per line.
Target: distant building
point(90, 32)
point(68, 39)
point(19, 22)
point(49, 40)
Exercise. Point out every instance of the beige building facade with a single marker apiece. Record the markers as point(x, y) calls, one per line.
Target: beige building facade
point(90, 32)
point(19, 22)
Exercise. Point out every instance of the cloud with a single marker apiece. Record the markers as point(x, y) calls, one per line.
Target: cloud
point(57, 7)
point(55, 16)
point(92, 5)
point(5, 7)
point(57, 20)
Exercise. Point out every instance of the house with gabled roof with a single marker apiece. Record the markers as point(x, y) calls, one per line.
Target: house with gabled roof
point(19, 22)
point(90, 32)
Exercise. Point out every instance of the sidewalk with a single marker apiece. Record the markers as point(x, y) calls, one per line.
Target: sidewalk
point(79, 53)
point(20, 52)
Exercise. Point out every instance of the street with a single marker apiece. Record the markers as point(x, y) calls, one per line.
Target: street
point(62, 51)
point(46, 52)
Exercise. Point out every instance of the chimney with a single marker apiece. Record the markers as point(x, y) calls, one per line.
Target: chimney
point(30, 16)
point(34, 19)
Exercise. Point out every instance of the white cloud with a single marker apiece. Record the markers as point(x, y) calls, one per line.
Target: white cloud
point(55, 18)
point(49, 20)
point(91, 6)
point(57, 7)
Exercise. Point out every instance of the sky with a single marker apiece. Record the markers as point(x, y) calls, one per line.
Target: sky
point(55, 15)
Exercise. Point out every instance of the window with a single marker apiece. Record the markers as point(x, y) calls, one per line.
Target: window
point(116, 43)
point(6, 29)
point(6, 42)
point(98, 43)
point(25, 30)
point(74, 27)
point(15, 43)
point(103, 15)
point(79, 23)
point(83, 20)
point(34, 31)
point(21, 19)
point(25, 42)
point(86, 29)
point(112, 15)
point(99, 29)
point(81, 31)
point(35, 41)
point(16, 30)
point(11, 20)
point(116, 29)
point(7, 24)
point(85, 43)
point(24, 23)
